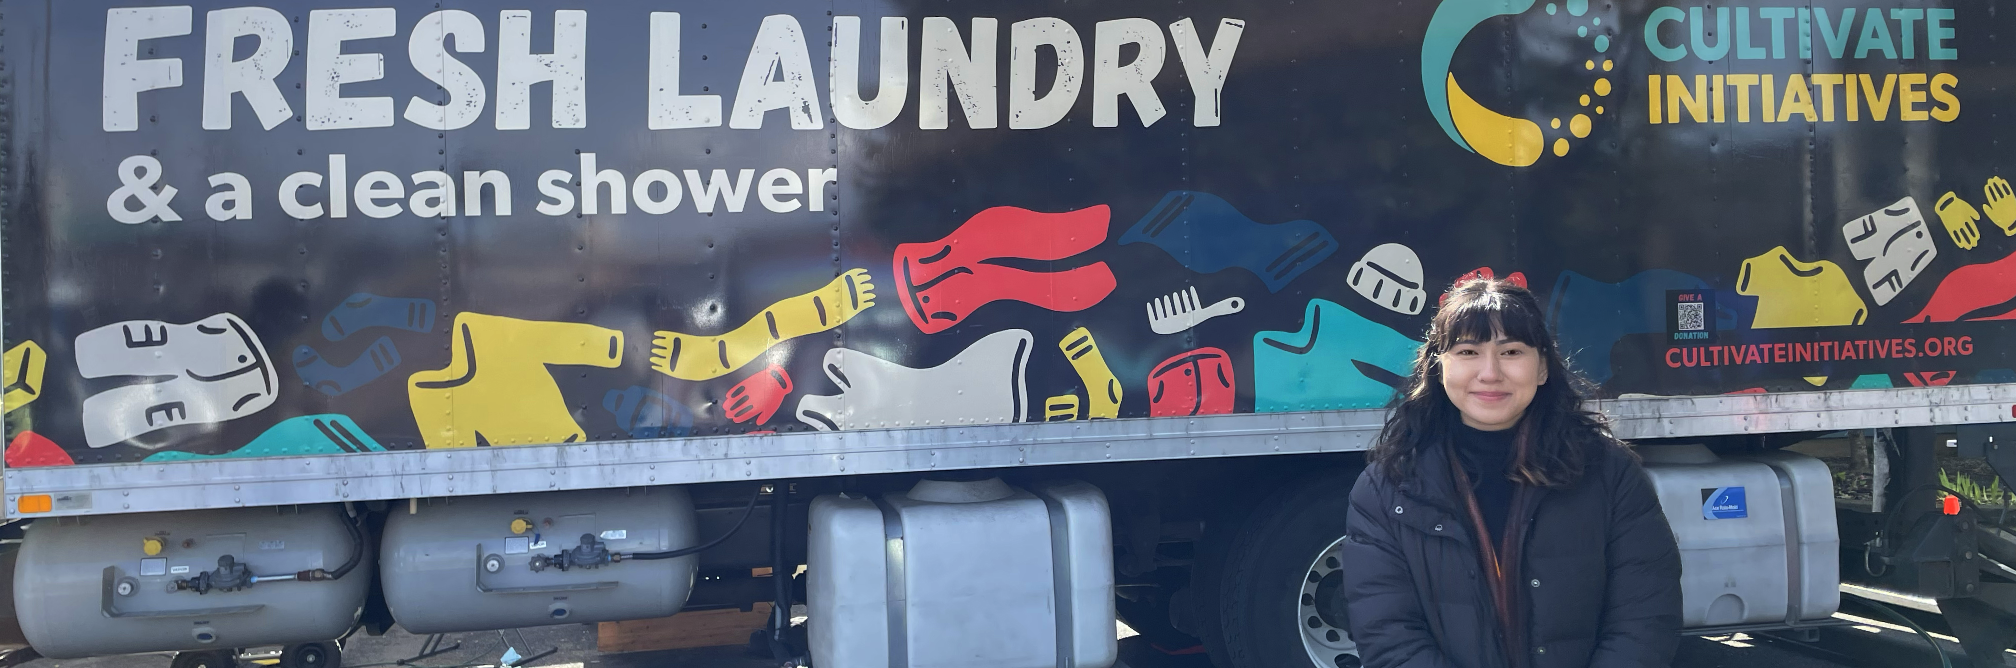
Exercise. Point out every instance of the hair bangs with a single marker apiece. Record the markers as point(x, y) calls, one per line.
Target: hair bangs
point(1477, 316)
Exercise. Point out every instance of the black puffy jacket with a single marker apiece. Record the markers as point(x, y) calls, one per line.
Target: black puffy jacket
point(1598, 581)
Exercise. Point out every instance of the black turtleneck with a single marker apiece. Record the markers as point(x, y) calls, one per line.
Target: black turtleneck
point(1486, 457)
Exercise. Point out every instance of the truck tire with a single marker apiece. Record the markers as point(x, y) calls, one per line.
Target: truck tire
point(1276, 579)
point(222, 658)
point(311, 655)
point(1149, 616)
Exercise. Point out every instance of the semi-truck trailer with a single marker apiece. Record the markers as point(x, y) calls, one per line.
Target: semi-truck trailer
point(997, 320)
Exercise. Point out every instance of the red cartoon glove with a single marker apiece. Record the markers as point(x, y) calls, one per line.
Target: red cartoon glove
point(759, 395)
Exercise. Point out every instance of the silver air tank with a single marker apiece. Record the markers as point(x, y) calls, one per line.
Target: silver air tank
point(209, 579)
point(496, 562)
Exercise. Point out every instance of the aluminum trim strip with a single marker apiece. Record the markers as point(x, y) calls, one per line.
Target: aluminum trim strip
point(225, 483)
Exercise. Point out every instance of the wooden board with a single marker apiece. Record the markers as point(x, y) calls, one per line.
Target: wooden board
point(686, 630)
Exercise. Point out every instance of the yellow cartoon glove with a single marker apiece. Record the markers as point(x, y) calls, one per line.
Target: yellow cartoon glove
point(1959, 218)
point(2001, 205)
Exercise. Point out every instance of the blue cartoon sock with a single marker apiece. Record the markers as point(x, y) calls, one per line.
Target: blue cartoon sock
point(1207, 235)
point(334, 380)
point(365, 310)
point(647, 414)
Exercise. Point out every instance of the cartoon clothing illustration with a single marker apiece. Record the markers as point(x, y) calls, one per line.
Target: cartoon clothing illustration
point(644, 413)
point(1589, 316)
point(1929, 378)
point(203, 372)
point(1207, 235)
point(1791, 293)
point(1985, 291)
point(1338, 360)
point(497, 389)
point(759, 396)
point(983, 384)
point(24, 365)
point(1896, 243)
point(942, 282)
point(334, 380)
point(1199, 382)
point(2000, 204)
point(1060, 408)
point(364, 310)
point(1870, 382)
point(689, 357)
point(1961, 220)
point(29, 449)
point(305, 435)
point(1390, 276)
point(1101, 386)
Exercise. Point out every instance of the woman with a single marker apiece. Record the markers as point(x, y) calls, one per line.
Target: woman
point(1499, 523)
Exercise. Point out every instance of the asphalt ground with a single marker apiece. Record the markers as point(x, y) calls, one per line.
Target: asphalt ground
point(1860, 642)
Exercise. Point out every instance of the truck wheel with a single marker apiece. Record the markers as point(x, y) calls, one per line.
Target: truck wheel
point(1279, 598)
point(311, 655)
point(223, 658)
point(1148, 615)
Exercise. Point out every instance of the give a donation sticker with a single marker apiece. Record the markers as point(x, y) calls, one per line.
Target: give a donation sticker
point(1690, 316)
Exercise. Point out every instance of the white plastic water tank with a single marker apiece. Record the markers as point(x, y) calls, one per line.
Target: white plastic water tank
point(1758, 541)
point(970, 574)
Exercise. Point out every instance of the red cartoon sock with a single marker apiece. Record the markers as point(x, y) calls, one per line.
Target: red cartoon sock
point(940, 283)
point(1984, 291)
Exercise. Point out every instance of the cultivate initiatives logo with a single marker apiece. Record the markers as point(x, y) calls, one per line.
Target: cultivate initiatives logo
point(1506, 140)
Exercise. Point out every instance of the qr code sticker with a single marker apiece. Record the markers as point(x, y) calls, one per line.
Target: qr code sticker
point(1693, 317)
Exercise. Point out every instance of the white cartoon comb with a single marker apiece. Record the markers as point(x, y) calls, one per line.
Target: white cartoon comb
point(1182, 310)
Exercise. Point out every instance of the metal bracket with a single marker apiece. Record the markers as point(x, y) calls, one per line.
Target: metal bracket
point(537, 589)
point(111, 609)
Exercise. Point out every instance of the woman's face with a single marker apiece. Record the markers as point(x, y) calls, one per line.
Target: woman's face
point(1492, 382)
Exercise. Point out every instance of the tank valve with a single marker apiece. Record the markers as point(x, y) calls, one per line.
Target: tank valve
point(229, 576)
point(591, 553)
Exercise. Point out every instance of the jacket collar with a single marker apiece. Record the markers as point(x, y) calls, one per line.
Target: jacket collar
point(1429, 496)
point(1433, 487)
point(1430, 482)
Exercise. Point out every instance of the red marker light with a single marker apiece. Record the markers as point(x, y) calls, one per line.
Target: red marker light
point(1951, 505)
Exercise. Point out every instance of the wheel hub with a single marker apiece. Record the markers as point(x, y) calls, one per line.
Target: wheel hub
point(1324, 625)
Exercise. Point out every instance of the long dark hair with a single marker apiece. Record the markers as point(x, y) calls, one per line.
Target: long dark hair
point(1555, 434)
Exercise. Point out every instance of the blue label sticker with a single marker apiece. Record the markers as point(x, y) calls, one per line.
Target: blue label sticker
point(1723, 503)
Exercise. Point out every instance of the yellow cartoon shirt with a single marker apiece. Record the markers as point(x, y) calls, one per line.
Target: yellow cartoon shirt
point(497, 390)
point(1791, 293)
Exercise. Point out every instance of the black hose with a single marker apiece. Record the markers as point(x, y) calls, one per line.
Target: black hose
point(356, 548)
point(1901, 619)
point(703, 547)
